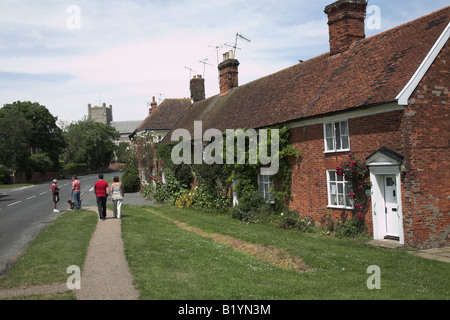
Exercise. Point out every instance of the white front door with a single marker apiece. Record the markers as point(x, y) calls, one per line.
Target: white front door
point(386, 195)
point(392, 214)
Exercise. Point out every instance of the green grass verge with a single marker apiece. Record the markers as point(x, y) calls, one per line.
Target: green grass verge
point(168, 262)
point(13, 186)
point(62, 244)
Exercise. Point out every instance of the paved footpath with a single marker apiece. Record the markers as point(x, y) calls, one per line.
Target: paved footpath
point(105, 275)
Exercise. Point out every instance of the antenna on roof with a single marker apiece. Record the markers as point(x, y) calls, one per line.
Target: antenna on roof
point(220, 46)
point(235, 42)
point(204, 65)
point(234, 47)
point(190, 71)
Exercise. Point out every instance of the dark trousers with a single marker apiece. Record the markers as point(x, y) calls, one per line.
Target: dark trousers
point(101, 204)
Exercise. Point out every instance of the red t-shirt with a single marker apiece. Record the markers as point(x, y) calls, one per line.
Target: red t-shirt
point(100, 188)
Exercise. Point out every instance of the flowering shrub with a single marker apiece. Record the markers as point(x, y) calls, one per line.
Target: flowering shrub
point(356, 173)
point(169, 191)
point(185, 200)
point(292, 220)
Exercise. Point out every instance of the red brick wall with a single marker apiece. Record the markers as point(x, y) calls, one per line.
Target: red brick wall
point(309, 181)
point(427, 184)
point(420, 133)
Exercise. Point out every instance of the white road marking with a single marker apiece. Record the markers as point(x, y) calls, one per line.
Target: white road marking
point(42, 193)
point(31, 197)
point(11, 204)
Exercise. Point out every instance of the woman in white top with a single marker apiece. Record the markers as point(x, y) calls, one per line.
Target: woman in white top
point(116, 192)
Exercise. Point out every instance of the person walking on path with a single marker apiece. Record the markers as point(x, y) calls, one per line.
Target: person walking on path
point(101, 192)
point(55, 194)
point(76, 192)
point(116, 191)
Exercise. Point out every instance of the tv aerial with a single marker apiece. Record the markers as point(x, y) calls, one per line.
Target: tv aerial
point(190, 71)
point(204, 65)
point(238, 35)
point(220, 46)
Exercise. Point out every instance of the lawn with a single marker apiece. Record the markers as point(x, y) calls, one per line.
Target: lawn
point(62, 244)
point(170, 262)
point(192, 255)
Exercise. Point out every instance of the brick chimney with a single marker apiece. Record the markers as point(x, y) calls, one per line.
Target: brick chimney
point(345, 23)
point(228, 72)
point(153, 105)
point(197, 85)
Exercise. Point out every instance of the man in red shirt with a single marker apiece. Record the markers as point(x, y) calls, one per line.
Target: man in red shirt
point(101, 192)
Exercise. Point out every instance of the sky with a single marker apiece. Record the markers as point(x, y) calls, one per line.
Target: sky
point(67, 54)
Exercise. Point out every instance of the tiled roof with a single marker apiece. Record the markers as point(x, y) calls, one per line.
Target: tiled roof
point(371, 72)
point(125, 126)
point(166, 115)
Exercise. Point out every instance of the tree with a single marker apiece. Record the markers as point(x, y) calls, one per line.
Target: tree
point(90, 142)
point(45, 134)
point(15, 135)
point(122, 152)
point(143, 145)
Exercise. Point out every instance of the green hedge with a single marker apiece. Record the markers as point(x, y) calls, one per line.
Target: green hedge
point(73, 168)
point(130, 180)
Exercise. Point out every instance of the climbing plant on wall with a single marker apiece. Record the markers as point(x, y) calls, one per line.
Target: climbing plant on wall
point(357, 174)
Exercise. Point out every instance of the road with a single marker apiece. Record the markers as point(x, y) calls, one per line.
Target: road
point(26, 211)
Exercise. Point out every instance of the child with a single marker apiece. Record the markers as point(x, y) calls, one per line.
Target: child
point(55, 194)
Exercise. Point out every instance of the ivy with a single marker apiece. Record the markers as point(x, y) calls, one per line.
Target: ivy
point(208, 186)
point(246, 174)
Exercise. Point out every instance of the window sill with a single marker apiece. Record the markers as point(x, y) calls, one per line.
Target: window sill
point(339, 207)
point(336, 151)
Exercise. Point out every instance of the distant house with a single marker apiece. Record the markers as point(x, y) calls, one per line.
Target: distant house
point(125, 128)
point(382, 98)
point(160, 121)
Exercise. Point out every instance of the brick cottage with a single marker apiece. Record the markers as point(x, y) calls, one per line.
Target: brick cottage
point(383, 98)
point(161, 118)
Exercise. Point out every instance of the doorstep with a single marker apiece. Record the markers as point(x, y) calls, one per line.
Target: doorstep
point(386, 243)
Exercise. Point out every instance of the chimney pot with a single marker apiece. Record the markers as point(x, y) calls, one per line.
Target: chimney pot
point(345, 23)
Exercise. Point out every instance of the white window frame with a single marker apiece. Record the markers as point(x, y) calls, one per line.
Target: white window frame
point(265, 183)
point(337, 191)
point(341, 135)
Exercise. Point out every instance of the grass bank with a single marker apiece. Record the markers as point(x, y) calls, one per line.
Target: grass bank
point(170, 262)
point(62, 244)
point(188, 254)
